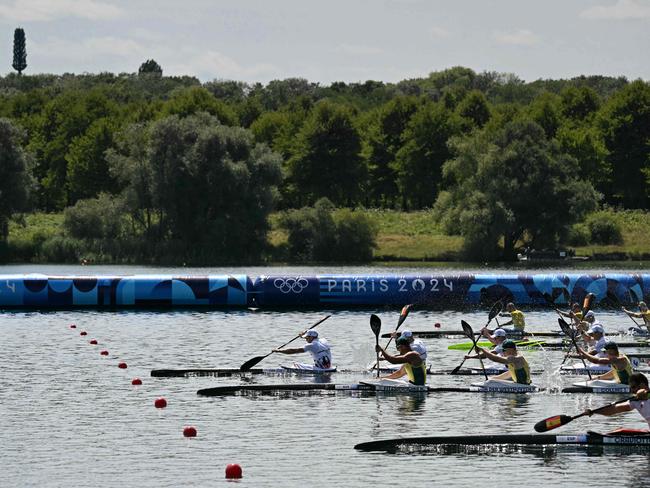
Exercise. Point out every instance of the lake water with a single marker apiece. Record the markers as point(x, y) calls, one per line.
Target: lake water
point(70, 417)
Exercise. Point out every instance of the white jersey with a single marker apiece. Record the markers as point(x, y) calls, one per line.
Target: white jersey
point(599, 346)
point(498, 349)
point(320, 352)
point(419, 347)
point(643, 407)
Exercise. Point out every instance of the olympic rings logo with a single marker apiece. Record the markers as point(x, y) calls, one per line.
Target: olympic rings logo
point(291, 285)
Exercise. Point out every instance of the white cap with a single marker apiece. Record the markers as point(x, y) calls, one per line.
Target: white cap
point(311, 333)
point(596, 328)
point(589, 314)
point(406, 333)
point(499, 333)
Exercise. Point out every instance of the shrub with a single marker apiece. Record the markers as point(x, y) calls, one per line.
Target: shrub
point(322, 234)
point(604, 229)
point(578, 235)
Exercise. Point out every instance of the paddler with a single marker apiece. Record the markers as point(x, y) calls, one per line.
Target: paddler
point(588, 320)
point(412, 364)
point(416, 344)
point(318, 348)
point(575, 314)
point(517, 318)
point(620, 363)
point(498, 337)
point(638, 386)
point(643, 313)
point(595, 339)
point(518, 369)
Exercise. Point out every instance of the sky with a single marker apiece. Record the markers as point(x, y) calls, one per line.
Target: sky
point(331, 40)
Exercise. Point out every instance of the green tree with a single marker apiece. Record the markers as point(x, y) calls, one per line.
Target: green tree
point(14, 181)
point(511, 186)
point(327, 160)
point(190, 101)
point(624, 122)
point(88, 170)
point(419, 162)
point(579, 103)
point(545, 110)
point(385, 138)
point(150, 68)
point(475, 109)
point(20, 51)
point(210, 187)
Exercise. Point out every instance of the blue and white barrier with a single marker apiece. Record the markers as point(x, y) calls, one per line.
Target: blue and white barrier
point(324, 291)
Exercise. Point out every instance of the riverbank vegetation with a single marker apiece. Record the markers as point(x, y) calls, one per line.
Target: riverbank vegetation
point(457, 165)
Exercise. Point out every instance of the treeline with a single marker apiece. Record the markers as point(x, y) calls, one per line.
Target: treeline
point(168, 168)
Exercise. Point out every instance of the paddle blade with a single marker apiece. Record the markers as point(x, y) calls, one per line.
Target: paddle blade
point(588, 302)
point(634, 296)
point(552, 423)
point(375, 324)
point(566, 328)
point(468, 330)
point(251, 362)
point(495, 310)
point(566, 295)
point(402, 316)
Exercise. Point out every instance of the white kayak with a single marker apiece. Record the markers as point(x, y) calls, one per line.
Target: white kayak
point(395, 386)
point(579, 368)
point(603, 386)
point(302, 368)
point(505, 386)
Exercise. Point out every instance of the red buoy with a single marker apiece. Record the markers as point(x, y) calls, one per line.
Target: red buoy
point(160, 402)
point(122, 365)
point(233, 471)
point(189, 431)
point(104, 352)
point(437, 325)
point(93, 342)
point(136, 381)
point(83, 333)
point(72, 326)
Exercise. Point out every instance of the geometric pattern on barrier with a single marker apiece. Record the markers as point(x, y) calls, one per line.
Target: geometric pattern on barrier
point(435, 291)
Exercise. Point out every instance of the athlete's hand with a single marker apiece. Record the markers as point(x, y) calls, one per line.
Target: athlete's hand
point(378, 348)
point(589, 412)
point(642, 394)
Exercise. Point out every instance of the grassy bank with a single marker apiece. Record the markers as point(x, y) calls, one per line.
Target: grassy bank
point(402, 237)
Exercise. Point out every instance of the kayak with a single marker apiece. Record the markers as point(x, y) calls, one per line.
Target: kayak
point(379, 386)
point(597, 386)
point(465, 346)
point(621, 438)
point(303, 368)
point(433, 334)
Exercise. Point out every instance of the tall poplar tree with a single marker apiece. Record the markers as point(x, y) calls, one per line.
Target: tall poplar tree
point(20, 51)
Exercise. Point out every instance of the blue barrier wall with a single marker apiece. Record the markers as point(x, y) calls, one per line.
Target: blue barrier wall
point(325, 291)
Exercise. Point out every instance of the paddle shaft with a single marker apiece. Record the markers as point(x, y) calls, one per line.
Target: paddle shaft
point(560, 420)
point(575, 344)
point(252, 362)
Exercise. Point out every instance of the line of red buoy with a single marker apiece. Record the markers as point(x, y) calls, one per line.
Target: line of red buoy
point(233, 471)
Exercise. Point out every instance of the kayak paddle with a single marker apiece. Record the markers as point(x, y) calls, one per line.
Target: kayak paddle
point(611, 296)
point(560, 420)
point(253, 361)
point(402, 317)
point(566, 328)
point(470, 335)
point(375, 325)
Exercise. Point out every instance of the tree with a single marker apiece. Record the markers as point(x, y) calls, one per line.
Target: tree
point(385, 140)
point(209, 187)
point(150, 68)
point(20, 51)
point(475, 109)
point(513, 185)
point(624, 122)
point(419, 162)
point(14, 181)
point(327, 160)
